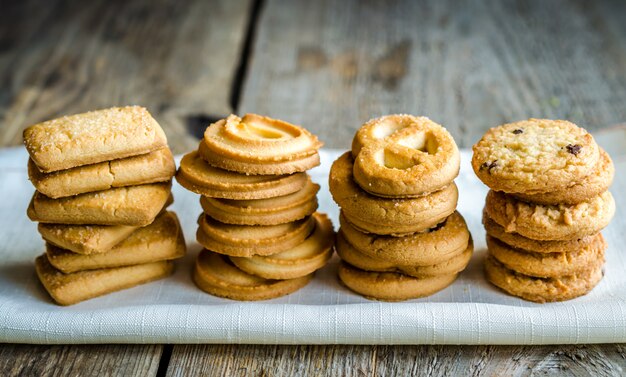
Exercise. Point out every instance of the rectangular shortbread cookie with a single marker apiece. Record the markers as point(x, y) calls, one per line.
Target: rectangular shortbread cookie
point(85, 239)
point(157, 166)
point(93, 137)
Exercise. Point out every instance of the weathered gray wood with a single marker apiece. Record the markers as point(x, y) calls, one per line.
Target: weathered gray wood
point(331, 65)
point(176, 58)
point(86, 360)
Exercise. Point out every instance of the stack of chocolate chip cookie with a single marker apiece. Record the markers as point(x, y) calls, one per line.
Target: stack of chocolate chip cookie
point(547, 205)
point(262, 236)
point(400, 235)
point(102, 183)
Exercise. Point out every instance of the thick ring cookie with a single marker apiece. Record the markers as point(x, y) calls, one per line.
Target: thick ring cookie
point(387, 216)
point(404, 156)
point(534, 156)
point(256, 144)
point(216, 275)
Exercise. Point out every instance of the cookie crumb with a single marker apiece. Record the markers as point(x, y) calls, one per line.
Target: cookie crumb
point(573, 149)
point(518, 131)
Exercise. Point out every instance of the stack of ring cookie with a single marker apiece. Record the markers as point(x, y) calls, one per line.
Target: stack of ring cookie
point(401, 236)
point(102, 182)
point(548, 202)
point(262, 236)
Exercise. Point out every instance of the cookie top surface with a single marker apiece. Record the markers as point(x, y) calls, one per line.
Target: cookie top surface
point(535, 155)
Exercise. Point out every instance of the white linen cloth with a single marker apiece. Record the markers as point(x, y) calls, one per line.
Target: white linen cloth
point(173, 310)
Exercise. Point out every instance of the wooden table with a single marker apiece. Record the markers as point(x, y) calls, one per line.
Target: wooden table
point(328, 65)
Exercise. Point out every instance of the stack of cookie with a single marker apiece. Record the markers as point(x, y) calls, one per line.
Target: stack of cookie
point(400, 235)
point(102, 183)
point(262, 236)
point(547, 205)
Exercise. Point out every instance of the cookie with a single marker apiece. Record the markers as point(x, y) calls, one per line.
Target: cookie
point(216, 275)
point(198, 176)
point(161, 240)
point(132, 205)
point(256, 144)
point(433, 246)
point(68, 289)
point(550, 222)
point(404, 156)
point(517, 241)
point(301, 260)
point(383, 216)
point(534, 156)
point(542, 289)
point(350, 254)
point(93, 137)
point(85, 239)
point(547, 265)
point(271, 211)
point(157, 166)
point(249, 240)
point(592, 185)
point(391, 286)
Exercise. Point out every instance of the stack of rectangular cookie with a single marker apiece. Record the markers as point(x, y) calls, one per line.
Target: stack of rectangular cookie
point(262, 236)
point(103, 181)
point(548, 202)
point(401, 236)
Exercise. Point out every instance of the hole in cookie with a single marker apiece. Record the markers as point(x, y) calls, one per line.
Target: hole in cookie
point(394, 160)
point(422, 141)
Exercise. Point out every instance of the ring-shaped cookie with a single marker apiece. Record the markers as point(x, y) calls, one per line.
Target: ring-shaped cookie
point(404, 156)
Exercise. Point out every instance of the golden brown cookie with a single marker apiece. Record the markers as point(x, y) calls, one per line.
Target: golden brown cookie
point(161, 240)
point(249, 240)
point(550, 222)
point(404, 156)
point(547, 265)
point(271, 211)
point(435, 245)
point(391, 286)
point(216, 275)
point(387, 216)
point(68, 289)
point(85, 239)
point(198, 176)
point(256, 144)
point(534, 156)
point(132, 205)
point(542, 289)
point(93, 137)
point(301, 260)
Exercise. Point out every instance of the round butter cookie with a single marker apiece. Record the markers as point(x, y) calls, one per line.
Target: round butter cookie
point(404, 156)
point(534, 156)
point(542, 289)
point(249, 240)
point(396, 217)
point(391, 286)
point(198, 176)
point(256, 144)
point(271, 211)
point(550, 222)
point(300, 260)
point(216, 275)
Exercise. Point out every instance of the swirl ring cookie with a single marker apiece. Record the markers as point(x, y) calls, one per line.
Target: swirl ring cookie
point(554, 222)
point(448, 239)
point(373, 214)
point(542, 289)
point(404, 156)
point(216, 275)
point(534, 156)
point(301, 260)
point(196, 175)
point(256, 144)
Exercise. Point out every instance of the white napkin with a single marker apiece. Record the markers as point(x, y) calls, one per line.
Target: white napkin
point(173, 310)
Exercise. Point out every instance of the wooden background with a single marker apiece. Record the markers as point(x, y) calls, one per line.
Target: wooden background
point(328, 65)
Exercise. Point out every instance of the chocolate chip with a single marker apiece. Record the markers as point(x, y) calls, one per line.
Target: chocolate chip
point(518, 131)
point(489, 165)
point(573, 149)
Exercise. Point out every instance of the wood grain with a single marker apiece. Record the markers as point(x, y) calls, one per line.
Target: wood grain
point(468, 65)
point(176, 58)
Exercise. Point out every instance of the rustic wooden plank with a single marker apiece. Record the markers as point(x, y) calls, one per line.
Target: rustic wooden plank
point(177, 58)
point(85, 360)
point(468, 65)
